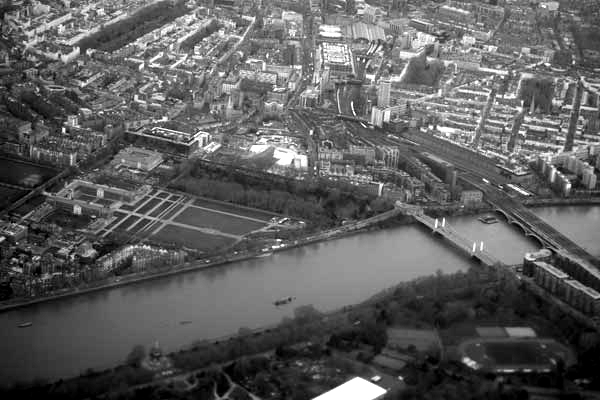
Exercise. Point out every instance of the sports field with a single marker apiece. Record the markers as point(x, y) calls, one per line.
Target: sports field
point(507, 355)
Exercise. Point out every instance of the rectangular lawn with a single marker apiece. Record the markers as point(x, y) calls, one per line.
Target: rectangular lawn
point(128, 222)
point(161, 208)
point(191, 238)
point(234, 209)
point(140, 225)
point(224, 223)
point(172, 212)
point(148, 206)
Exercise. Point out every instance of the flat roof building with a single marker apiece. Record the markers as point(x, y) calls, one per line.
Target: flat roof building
point(355, 389)
point(167, 140)
point(337, 57)
point(138, 158)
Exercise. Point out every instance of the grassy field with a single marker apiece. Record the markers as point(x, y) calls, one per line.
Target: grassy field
point(161, 208)
point(8, 196)
point(128, 222)
point(148, 206)
point(119, 216)
point(402, 338)
point(224, 223)
point(140, 225)
point(234, 209)
point(191, 238)
point(173, 211)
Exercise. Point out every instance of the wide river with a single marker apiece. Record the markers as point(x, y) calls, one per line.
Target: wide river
point(99, 329)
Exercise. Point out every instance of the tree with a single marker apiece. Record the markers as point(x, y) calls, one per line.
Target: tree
point(307, 313)
point(136, 355)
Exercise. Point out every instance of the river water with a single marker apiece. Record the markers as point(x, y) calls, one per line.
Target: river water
point(99, 329)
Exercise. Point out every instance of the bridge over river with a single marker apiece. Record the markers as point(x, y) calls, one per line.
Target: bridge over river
point(516, 213)
point(443, 229)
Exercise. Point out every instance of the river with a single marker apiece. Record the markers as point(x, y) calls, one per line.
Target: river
point(99, 329)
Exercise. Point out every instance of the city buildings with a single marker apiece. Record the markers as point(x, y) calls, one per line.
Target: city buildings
point(138, 158)
point(169, 140)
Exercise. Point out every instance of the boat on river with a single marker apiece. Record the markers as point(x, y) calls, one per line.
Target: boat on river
point(488, 219)
point(266, 254)
point(25, 324)
point(185, 322)
point(284, 301)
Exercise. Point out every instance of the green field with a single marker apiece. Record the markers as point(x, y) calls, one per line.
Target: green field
point(140, 225)
point(128, 222)
point(148, 206)
point(234, 209)
point(173, 211)
point(161, 208)
point(224, 223)
point(191, 238)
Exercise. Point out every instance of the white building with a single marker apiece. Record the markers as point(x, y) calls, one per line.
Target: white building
point(355, 389)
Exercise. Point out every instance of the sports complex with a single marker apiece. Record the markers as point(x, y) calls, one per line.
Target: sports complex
point(512, 354)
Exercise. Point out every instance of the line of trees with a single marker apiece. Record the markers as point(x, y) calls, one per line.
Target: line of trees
point(119, 34)
point(320, 201)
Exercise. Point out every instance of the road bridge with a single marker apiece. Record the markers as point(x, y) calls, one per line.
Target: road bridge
point(443, 229)
point(516, 213)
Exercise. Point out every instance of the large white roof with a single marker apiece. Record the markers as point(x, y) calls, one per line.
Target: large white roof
point(355, 389)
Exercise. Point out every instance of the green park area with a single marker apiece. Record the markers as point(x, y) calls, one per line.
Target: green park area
point(539, 91)
point(321, 203)
point(119, 34)
point(190, 238)
point(214, 220)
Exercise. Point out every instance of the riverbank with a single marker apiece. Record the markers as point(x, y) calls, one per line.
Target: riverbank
point(389, 219)
point(570, 201)
point(306, 324)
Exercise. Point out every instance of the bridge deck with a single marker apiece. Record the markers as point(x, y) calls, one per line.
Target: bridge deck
point(533, 225)
point(452, 235)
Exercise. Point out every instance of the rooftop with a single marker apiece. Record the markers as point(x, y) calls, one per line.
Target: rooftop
point(355, 389)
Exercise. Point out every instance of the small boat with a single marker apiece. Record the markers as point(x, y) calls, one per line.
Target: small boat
point(185, 322)
point(25, 324)
point(488, 219)
point(267, 254)
point(283, 301)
